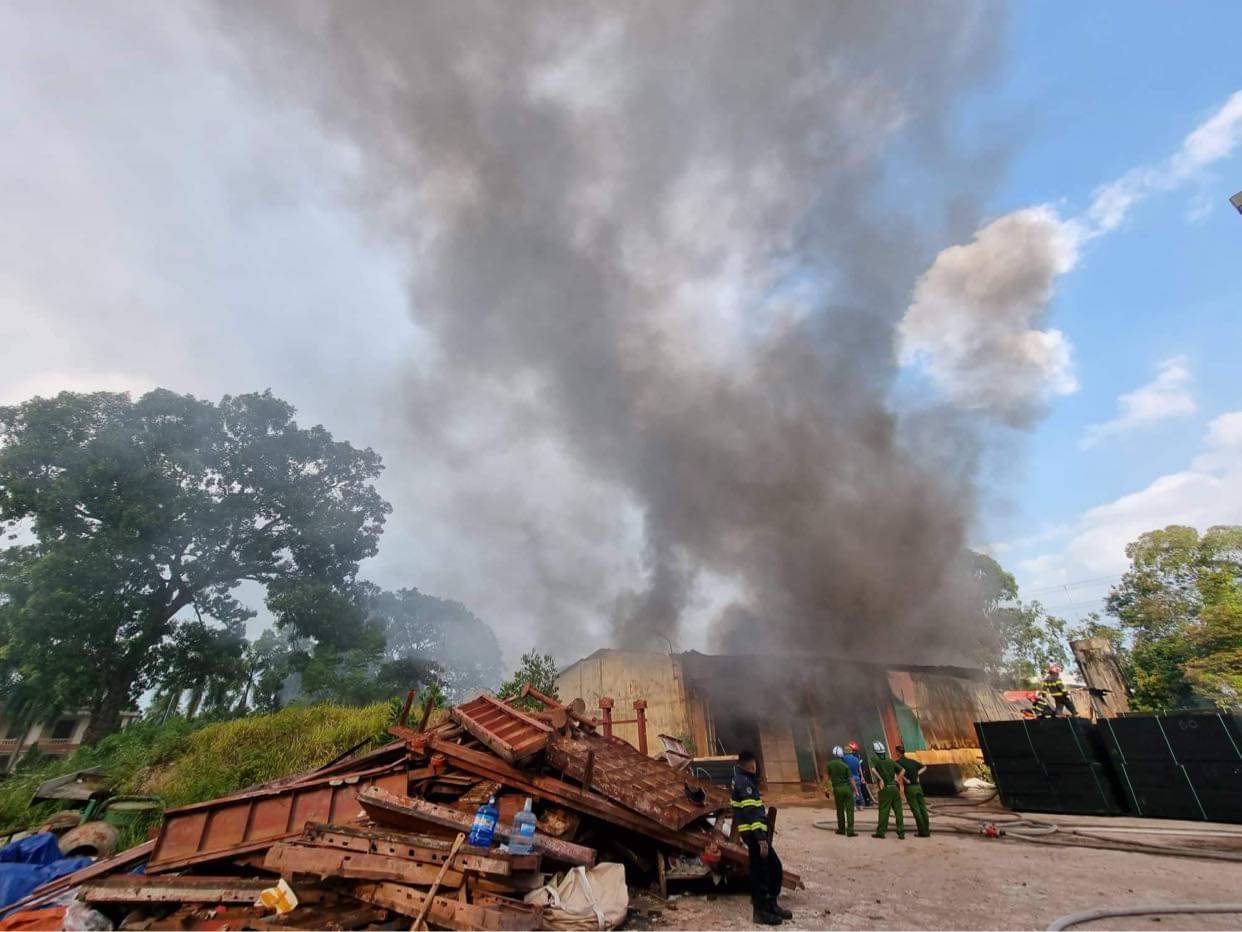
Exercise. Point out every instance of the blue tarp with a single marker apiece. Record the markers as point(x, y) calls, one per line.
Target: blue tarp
point(31, 862)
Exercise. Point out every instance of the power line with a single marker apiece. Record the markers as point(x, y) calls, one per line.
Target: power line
point(1076, 583)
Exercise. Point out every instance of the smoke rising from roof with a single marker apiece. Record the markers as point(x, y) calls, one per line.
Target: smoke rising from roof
point(655, 238)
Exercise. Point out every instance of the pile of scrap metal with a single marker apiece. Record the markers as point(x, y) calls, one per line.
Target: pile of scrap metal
point(378, 840)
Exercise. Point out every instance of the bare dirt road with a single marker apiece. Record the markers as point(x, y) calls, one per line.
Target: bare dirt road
point(958, 881)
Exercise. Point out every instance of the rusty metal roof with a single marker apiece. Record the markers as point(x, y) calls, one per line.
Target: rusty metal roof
point(623, 774)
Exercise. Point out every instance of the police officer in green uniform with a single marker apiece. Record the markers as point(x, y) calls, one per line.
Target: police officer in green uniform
point(889, 797)
point(914, 791)
point(842, 790)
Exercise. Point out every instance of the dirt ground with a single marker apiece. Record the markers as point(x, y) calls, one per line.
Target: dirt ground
point(960, 881)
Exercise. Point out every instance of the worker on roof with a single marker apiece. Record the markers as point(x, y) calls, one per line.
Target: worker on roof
point(853, 760)
point(914, 790)
point(752, 824)
point(1054, 686)
point(1041, 707)
point(842, 789)
point(891, 778)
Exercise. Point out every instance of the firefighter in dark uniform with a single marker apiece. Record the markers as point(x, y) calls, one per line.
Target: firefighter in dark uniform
point(1041, 707)
point(889, 797)
point(750, 817)
point(914, 790)
point(1054, 686)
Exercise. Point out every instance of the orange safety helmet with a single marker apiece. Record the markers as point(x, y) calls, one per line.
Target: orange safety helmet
point(1054, 668)
point(853, 745)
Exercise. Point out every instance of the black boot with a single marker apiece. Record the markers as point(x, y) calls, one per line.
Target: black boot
point(778, 910)
point(763, 917)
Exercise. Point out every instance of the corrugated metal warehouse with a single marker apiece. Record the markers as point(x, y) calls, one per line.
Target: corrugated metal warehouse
point(790, 711)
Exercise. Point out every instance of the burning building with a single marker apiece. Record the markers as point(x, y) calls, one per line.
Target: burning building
point(789, 711)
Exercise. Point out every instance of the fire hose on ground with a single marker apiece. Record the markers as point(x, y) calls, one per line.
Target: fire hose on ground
point(1156, 909)
point(1070, 835)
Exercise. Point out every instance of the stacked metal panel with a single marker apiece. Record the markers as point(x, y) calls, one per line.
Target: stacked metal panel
point(1180, 765)
point(1051, 765)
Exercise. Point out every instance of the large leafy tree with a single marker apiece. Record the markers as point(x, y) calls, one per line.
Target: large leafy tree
point(140, 510)
point(1022, 638)
point(421, 627)
point(539, 670)
point(1181, 605)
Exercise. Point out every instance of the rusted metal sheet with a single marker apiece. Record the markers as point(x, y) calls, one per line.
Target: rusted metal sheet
point(947, 707)
point(593, 804)
point(497, 914)
point(250, 822)
point(425, 848)
point(288, 858)
point(406, 813)
point(126, 888)
point(647, 786)
point(509, 732)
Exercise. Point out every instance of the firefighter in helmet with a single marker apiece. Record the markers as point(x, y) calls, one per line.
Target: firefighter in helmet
point(1054, 686)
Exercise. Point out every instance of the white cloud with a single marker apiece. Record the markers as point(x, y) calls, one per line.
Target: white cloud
point(975, 322)
point(1207, 492)
point(48, 384)
point(1166, 396)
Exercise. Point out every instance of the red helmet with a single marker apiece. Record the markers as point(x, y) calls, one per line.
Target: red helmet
point(1054, 668)
point(853, 745)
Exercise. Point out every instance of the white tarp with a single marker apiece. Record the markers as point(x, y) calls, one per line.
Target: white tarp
point(585, 899)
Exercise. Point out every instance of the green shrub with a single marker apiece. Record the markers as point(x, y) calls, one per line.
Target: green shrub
point(187, 762)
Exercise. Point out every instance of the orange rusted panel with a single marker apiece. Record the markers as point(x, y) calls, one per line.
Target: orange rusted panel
point(247, 822)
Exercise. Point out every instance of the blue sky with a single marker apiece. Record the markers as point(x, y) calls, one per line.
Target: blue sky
point(170, 223)
point(1101, 89)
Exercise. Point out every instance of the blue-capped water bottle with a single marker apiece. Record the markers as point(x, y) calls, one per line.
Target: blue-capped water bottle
point(522, 841)
point(484, 826)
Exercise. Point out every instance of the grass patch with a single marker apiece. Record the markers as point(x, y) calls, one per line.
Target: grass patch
point(187, 762)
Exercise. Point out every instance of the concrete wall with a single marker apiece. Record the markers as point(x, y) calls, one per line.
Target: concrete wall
point(626, 676)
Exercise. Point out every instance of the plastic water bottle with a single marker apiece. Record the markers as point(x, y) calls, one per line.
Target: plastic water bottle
point(484, 826)
point(522, 841)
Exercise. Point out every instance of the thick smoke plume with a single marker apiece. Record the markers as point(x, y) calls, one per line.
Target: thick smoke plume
point(658, 236)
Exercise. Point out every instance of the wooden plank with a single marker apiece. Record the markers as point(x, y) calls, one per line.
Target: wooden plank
point(425, 848)
point(448, 912)
point(289, 858)
point(405, 812)
point(126, 888)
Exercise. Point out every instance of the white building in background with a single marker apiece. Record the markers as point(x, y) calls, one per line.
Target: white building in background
point(60, 736)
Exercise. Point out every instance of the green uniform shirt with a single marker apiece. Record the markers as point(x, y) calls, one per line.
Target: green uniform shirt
point(886, 768)
point(838, 772)
point(912, 768)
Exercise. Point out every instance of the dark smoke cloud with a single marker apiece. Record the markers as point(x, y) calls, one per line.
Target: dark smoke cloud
point(658, 239)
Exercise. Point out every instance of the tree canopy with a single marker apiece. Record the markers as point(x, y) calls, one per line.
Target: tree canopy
point(143, 510)
point(1181, 605)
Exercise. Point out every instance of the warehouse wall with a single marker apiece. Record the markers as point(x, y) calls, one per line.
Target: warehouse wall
point(626, 676)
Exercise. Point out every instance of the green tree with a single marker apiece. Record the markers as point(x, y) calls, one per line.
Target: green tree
point(422, 628)
point(143, 509)
point(1181, 605)
point(1020, 638)
point(537, 669)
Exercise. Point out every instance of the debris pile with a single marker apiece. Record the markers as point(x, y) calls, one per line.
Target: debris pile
point(380, 839)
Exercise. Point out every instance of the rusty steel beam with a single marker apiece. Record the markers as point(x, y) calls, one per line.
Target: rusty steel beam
point(289, 858)
point(407, 813)
point(428, 849)
point(236, 825)
point(126, 888)
point(496, 914)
